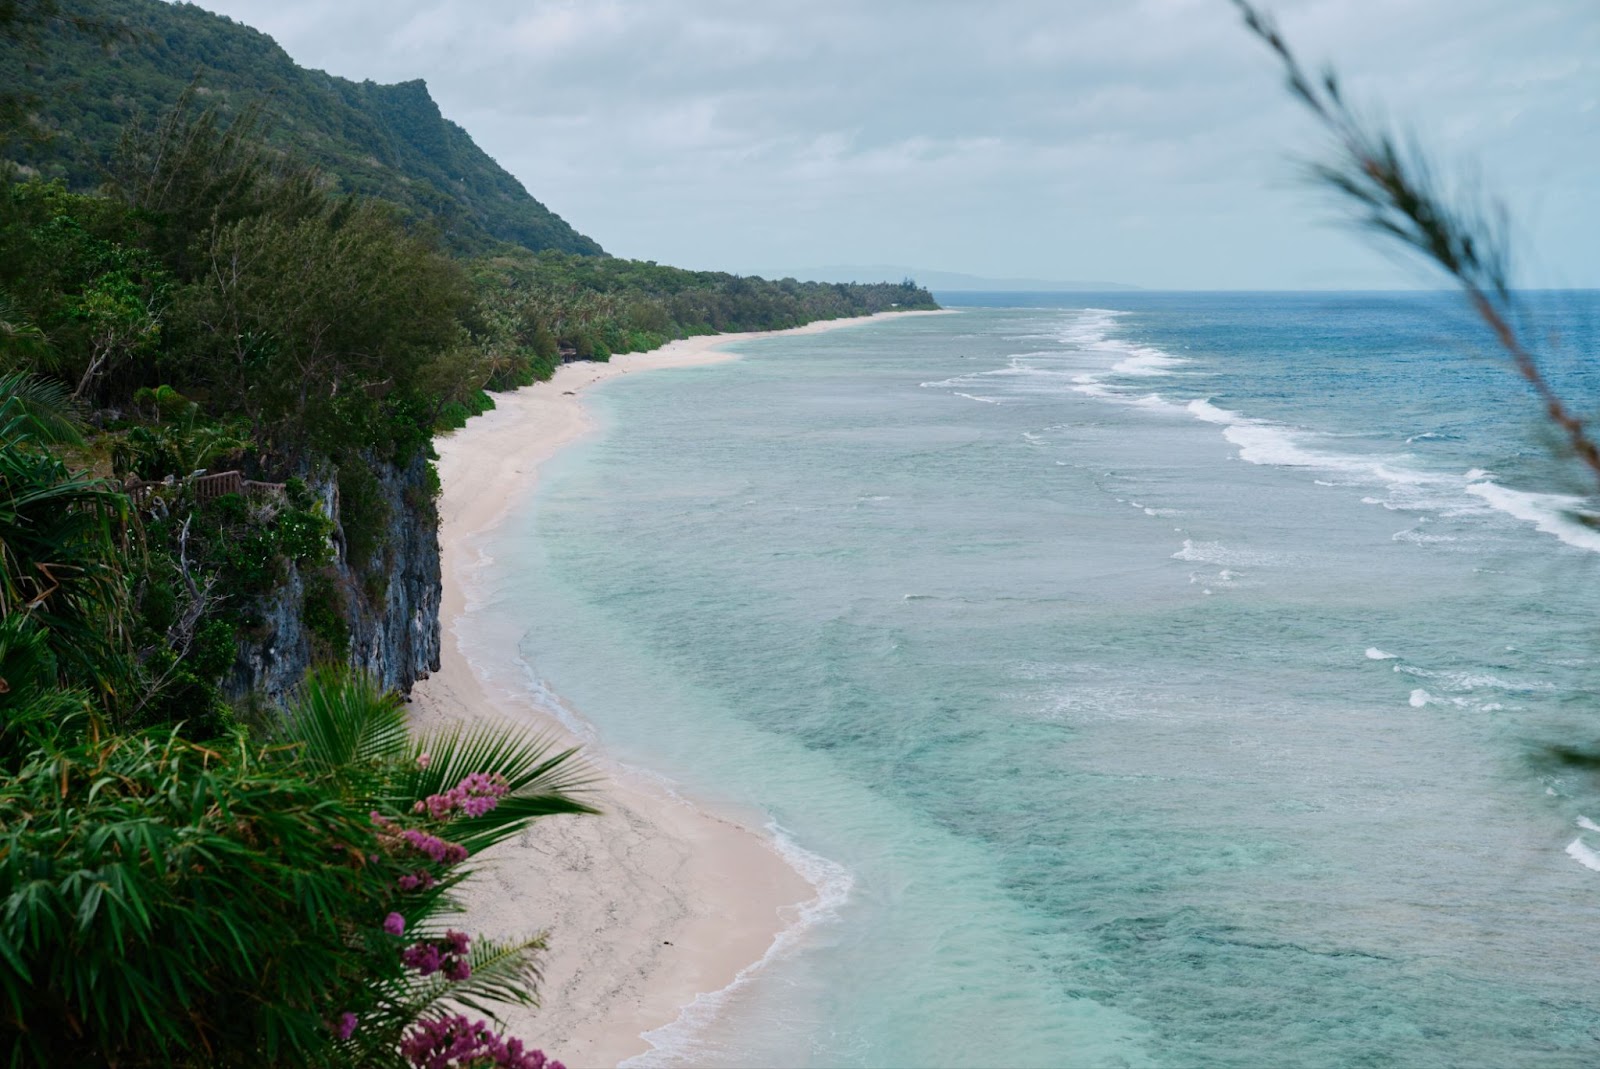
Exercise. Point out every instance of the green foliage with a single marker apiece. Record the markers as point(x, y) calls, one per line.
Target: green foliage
point(92, 302)
point(388, 142)
point(323, 614)
point(61, 557)
point(363, 514)
point(177, 441)
point(531, 310)
point(206, 566)
point(345, 726)
point(173, 904)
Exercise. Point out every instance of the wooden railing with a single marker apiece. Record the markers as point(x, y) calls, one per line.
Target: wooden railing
point(206, 487)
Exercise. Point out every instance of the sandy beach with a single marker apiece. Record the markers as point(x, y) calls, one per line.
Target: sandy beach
point(659, 899)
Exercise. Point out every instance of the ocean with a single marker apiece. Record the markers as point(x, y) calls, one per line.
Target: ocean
point(1143, 679)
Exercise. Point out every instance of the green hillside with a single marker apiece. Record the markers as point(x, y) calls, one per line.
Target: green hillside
point(386, 141)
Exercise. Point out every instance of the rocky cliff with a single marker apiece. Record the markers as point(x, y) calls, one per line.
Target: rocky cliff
point(380, 615)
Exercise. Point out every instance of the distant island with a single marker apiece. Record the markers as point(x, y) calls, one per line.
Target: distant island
point(945, 280)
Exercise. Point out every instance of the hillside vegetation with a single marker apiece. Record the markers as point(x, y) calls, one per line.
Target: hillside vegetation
point(385, 141)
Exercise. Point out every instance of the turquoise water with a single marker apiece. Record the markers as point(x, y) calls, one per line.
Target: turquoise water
point(1162, 683)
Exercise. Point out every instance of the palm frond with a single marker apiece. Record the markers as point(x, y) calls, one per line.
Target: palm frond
point(344, 722)
point(37, 407)
point(505, 972)
point(540, 779)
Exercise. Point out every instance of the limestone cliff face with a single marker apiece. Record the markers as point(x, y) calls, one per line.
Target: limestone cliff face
point(389, 609)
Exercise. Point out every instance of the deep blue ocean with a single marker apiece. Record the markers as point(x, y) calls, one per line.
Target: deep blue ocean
point(1144, 679)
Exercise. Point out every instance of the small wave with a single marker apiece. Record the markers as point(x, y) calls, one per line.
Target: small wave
point(975, 397)
point(1419, 698)
point(1417, 537)
point(1587, 825)
point(1223, 556)
point(1375, 654)
point(1469, 681)
point(1550, 513)
point(1146, 361)
point(677, 1041)
point(1578, 851)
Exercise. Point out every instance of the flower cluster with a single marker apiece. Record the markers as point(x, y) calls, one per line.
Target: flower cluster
point(345, 1027)
point(394, 924)
point(436, 848)
point(416, 881)
point(455, 1043)
point(449, 957)
point(475, 795)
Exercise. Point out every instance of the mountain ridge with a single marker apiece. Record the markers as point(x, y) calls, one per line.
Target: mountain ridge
point(386, 141)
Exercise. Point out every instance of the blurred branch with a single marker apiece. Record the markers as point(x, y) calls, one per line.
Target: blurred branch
point(1395, 192)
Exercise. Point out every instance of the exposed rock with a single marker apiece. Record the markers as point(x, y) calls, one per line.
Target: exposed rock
point(391, 608)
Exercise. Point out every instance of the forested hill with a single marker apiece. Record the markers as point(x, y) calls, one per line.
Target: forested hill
point(385, 141)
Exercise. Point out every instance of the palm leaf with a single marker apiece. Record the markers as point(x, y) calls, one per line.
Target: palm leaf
point(504, 972)
point(541, 780)
point(344, 723)
point(37, 407)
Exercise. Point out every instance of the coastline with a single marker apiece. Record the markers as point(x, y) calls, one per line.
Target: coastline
point(658, 900)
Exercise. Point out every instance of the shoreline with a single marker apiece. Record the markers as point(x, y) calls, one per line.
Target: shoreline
point(658, 901)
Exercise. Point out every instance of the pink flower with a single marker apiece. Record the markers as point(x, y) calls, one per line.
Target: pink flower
point(394, 924)
point(424, 760)
point(423, 957)
point(416, 881)
point(346, 1026)
point(454, 1042)
point(475, 795)
point(436, 848)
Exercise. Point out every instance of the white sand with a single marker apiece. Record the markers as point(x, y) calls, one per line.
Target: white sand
point(655, 901)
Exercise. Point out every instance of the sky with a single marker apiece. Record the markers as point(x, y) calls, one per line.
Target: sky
point(1146, 142)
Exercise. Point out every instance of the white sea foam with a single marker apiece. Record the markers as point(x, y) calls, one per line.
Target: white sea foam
point(679, 1040)
point(1470, 680)
point(1587, 825)
point(1375, 654)
point(1143, 360)
point(1578, 851)
point(1265, 442)
point(1550, 513)
point(1419, 698)
point(1225, 556)
point(975, 397)
point(1417, 537)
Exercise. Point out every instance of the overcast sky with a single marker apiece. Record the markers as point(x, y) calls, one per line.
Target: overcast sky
point(1142, 141)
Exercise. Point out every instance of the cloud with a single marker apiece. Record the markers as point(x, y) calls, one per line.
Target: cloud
point(1144, 140)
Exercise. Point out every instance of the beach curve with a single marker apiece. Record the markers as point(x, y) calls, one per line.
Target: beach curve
point(660, 901)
